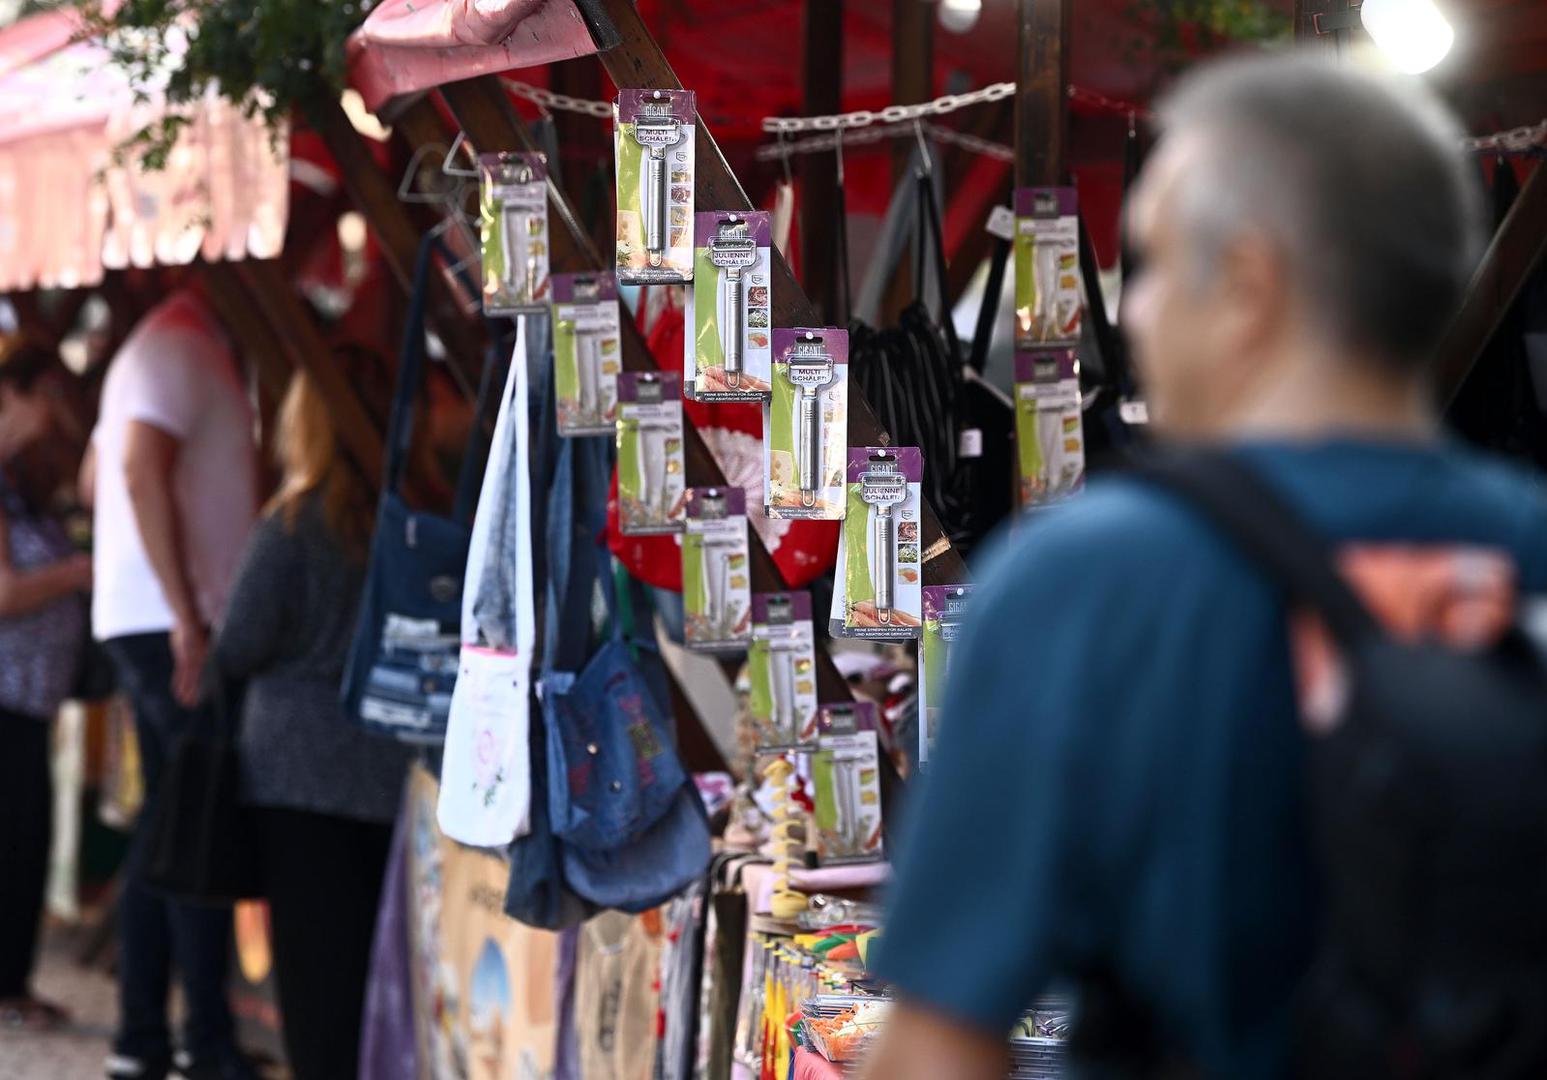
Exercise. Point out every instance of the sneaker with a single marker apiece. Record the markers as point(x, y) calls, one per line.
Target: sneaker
point(228, 1066)
point(123, 1067)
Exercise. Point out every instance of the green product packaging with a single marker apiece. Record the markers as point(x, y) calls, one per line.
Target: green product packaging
point(651, 493)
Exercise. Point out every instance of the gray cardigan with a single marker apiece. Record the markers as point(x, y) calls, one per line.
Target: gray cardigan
point(287, 632)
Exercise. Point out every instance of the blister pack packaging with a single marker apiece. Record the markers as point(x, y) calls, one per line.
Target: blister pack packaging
point(653, 140)
point(806, 424)
point(1049, 426)
point(945, 606)
point(1048, 309)
point(587, 353)
point(729, 350)
point(846, 781)
point(879, 573)
point(651, 469)
point(513, 220)
point(781, 666)
point(716, 574)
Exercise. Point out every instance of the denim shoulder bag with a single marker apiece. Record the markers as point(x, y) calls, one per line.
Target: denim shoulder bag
point(403, 660)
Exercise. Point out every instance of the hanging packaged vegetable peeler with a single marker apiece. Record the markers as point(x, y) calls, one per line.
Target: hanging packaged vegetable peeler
point(716, 576)
point(1048, 310)
point(1049, 426)
point(879, 558)
point(945, 608)
point(847, 779)
point(728, 351)
point(651, 468)
point(654, 150)
point(513, 218)
point(587, 353)
point(807, 424)
point(782, 669)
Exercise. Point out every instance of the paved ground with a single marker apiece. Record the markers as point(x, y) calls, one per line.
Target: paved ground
point(77, 1052)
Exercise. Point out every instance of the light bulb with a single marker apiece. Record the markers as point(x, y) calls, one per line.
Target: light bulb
point(1412, 33)
point(959, 16)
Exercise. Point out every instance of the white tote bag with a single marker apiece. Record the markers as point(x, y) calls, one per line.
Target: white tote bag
point(486, 785)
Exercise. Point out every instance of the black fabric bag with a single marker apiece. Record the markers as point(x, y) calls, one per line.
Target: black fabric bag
point(202, 847)
point(1429, 804)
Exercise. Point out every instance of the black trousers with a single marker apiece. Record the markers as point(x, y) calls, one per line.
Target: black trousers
point(26, 824)
point(322, 877)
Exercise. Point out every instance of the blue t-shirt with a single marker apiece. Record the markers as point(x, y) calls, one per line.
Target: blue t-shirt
point(1117, 783)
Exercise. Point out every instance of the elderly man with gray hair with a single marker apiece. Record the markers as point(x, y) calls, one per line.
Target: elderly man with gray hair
point(1117, 802)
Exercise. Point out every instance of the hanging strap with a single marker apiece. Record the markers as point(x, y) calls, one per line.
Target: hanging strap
point(988, 313)
point(930, 233)
point(410, 380)
point(1272, 535)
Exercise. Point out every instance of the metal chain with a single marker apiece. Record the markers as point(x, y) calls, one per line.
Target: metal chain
point(892, 114)
point(816, 144)
point(1514, 140)
point(550, 100)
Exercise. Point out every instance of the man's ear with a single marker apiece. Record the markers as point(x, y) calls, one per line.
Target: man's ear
point(1254, 292)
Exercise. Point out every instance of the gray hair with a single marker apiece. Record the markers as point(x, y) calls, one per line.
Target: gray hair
point(1360, 180)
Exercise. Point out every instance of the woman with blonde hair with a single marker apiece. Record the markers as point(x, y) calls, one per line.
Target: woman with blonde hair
point(324, 792)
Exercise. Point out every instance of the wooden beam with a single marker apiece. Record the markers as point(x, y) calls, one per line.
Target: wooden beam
point(1516, 251)
point(1041, 99)
point(822, 75)
point(638, 61)
point(375, 195)
point(913, 68)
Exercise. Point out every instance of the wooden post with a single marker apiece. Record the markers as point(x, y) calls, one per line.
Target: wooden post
point(1516, 251)
point(638, 61)
point(913, 66)
point(1041, 99)
point(823, 77)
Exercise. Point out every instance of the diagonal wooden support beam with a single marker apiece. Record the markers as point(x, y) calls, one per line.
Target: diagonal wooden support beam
point(1516, 251)
point(638, 61)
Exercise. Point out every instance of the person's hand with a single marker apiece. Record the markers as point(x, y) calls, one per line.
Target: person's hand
point(715, 380)
point(190, 643)
point(77, 569)
point(865, 614)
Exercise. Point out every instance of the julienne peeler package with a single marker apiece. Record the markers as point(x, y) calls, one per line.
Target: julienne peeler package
point(945, 606)
point(781, 666)
point(1049, 428)
point(513, 219)
point(716, 572)
point(587, 353)
point(806, 424)
point(878, 580)
point(651, 468)
point(728, 354)
point(1048, 309)
point(846, 783)
point(653, 139)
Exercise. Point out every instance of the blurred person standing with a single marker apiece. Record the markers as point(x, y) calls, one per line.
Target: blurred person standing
point(1118, 802)
point(326, 792)
point(174, 479)
point(42, 626)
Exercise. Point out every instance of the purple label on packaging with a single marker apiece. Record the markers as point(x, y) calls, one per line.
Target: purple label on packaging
point(732, 500)
point(506, 166)
point(828, 339)
point(1046, 365)
point(781, 608)
point(649, 387)
point(583, 288)
point(1046, 202)
point(944, 600)
point(680, 104)
point(907, 460)
point(759, 225)
point(847, 718)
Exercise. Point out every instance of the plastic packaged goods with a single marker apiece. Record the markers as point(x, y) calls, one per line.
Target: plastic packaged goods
point(651, 491)
point(1048, 309)
point(716, 574)
point(513, 219)
point(1049, 426)
point(728, 354)
point(806, 424)
point(654, 145)
point(587, 353)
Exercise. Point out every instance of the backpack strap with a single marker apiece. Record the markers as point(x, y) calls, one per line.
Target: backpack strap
point(1262, 525)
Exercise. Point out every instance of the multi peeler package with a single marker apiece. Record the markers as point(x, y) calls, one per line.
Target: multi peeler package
point(716, 573)
point(587, 353)
point(1048, 310)
point(651, 468)
point(653, 140)
point(944, 608)
point(781, 665)
point(806, 424)
point(846, 781)
point(729, 350)
point(513, 219)
point(879, 571)
point(1049, 430)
